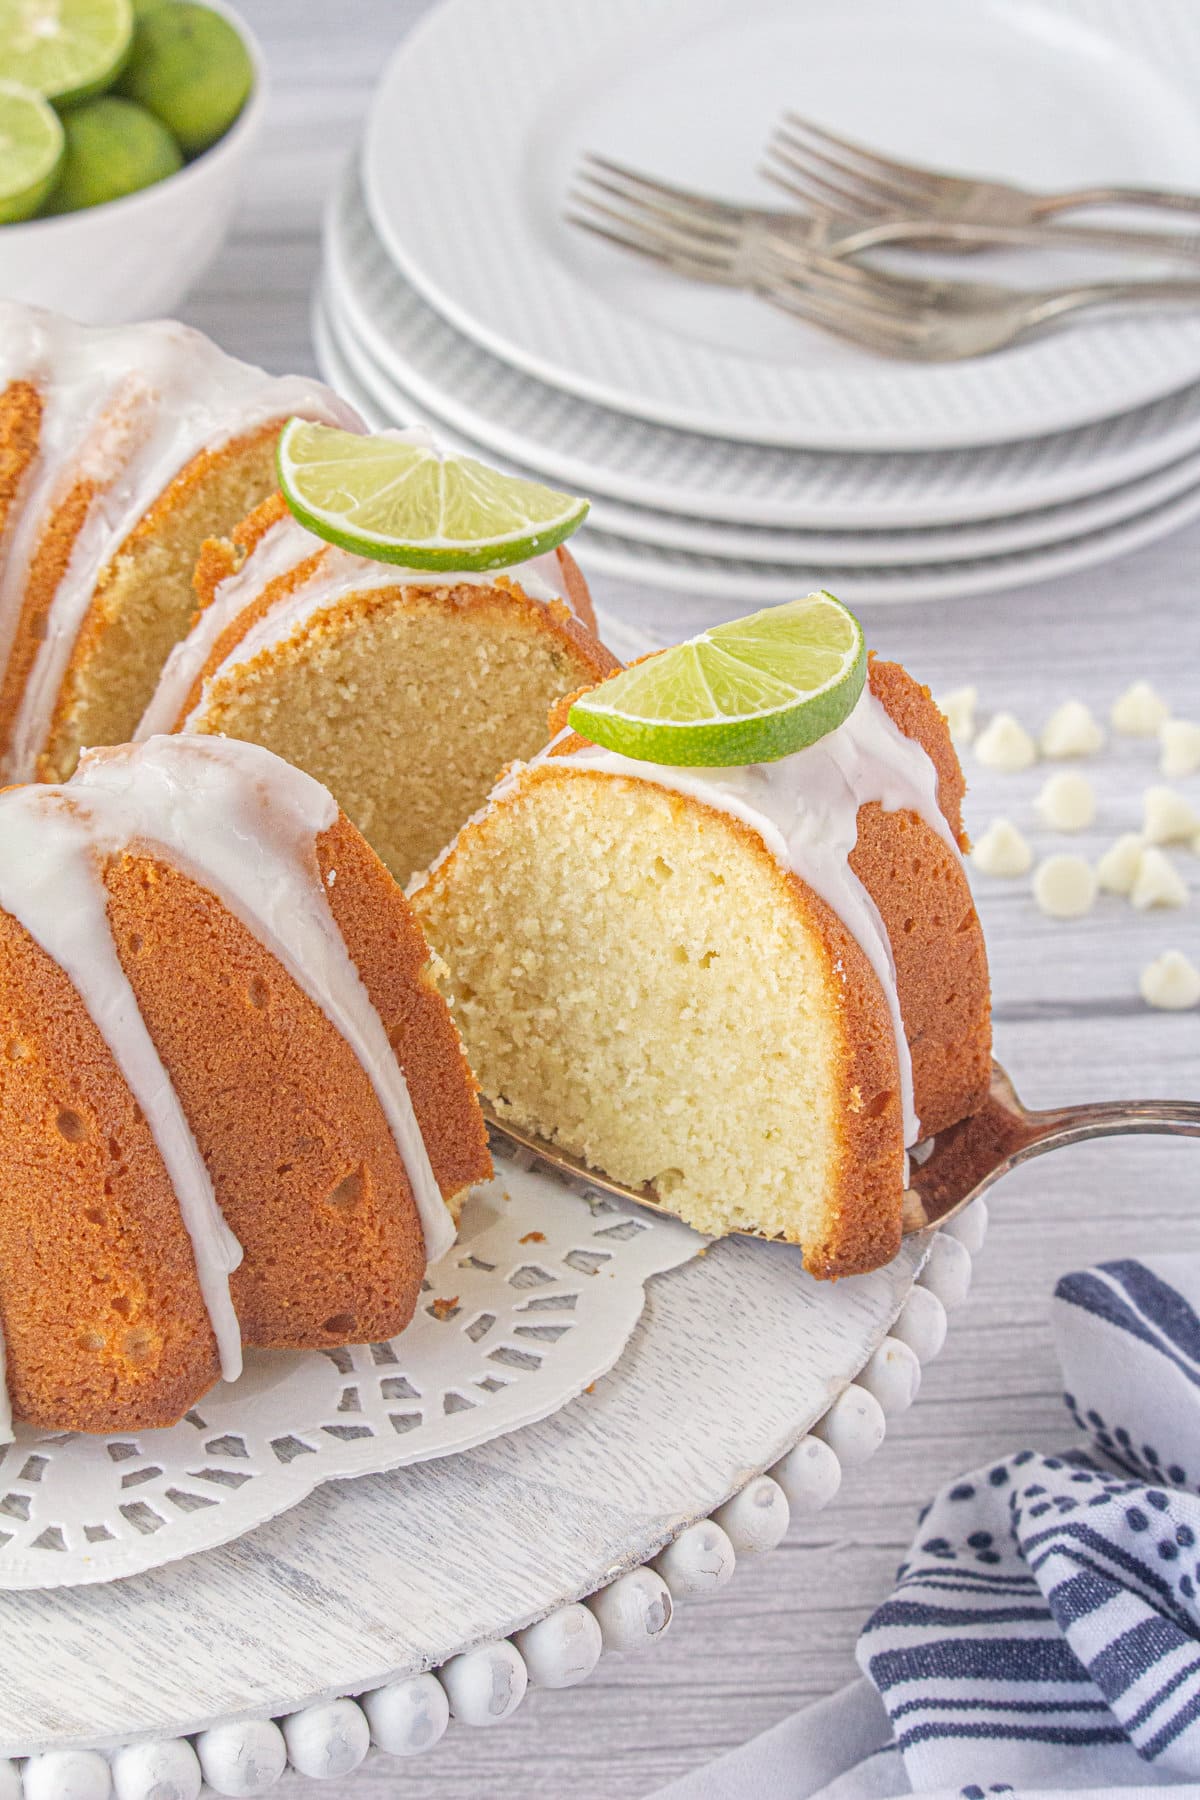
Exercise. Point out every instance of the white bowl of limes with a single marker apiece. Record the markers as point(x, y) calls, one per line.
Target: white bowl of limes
point(124, 130)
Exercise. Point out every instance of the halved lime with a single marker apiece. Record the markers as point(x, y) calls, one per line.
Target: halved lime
point(751, 691)
point(397, 498)
point(31, 149)
point(66, 49)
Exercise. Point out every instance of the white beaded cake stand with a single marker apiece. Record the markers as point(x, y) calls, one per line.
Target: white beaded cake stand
point(361, 1621)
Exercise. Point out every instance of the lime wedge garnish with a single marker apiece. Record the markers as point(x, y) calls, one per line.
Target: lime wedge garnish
point(31, 149)
point(66, 49)
point(751, 691)
point(398, 498)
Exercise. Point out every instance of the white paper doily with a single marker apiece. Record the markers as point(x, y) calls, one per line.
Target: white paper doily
point(534, 1302)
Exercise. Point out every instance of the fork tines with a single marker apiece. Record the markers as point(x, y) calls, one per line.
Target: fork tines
point(839, 175)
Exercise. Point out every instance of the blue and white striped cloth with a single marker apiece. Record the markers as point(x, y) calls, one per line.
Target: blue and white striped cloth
point(1044, 1632)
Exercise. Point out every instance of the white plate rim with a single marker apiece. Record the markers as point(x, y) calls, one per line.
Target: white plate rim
point(1135, 445)
point(396, 107)
point(675, 531)
point(708, 577)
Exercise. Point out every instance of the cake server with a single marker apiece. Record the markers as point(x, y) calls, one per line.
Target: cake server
point(961, 1163)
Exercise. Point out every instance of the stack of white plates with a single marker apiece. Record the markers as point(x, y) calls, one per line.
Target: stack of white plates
point(727, 449)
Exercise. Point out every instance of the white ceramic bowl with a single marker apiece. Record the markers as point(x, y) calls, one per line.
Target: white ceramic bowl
point(135, 258)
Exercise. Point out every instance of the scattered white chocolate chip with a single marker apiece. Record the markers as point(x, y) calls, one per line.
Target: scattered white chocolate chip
point(1005, 744)
point(1117, 869)
point(958, 710)
point(1180, 741)
point(1071, 730)
point(1157, 882)
point(1140, 711)
point(1067, 802)
point(1171, 981)
point(1002, 850)
point(1064, 886)
point(1168, 817)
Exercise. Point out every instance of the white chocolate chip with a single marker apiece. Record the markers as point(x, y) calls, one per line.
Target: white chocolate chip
point(1117, 869)
point(1064, 887)
point(958, 709)
point(1180, 741)
point(1002, 850)
point(1171, 981)
point(1157, 883)
point(1071, 730)
point(1006, 745)
point(1140, 711)
point(1067, 802)
point(1168, 817)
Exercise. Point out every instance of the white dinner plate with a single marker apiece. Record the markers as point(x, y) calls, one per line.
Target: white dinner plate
point(483, 112)
point(389, 403)
point(612, 553)
point(609, 454)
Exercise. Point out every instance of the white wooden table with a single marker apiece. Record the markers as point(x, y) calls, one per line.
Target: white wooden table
point(1068, 1023)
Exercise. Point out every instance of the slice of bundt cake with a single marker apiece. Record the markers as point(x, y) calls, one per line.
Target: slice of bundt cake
point(121, 450)
point(404, 691)
point(751, 988)
point(233, 1106)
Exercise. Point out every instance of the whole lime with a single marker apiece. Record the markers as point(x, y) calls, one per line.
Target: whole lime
point(189, 67)
point(113, 148)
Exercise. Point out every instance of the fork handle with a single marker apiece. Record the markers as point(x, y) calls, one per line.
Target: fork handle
point(1043, 205)
point(957, 234)
point(1056, 303)
point(1053, 1129)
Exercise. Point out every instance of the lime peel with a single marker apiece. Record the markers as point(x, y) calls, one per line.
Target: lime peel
point(751, 691)
point(397, 498)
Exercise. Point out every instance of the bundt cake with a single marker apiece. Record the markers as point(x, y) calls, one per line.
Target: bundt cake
point(402, 690)
point(751, 988)
point(233, 1106)
point(121, 450)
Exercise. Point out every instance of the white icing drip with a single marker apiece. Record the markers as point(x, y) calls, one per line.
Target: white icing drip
point(805, 809)
point(244, 825)
point(130, 407)
point(339, 573)
point(50, 881)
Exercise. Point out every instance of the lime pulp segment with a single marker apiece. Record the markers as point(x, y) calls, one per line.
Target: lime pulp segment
point(31, 151)
point(751, 691)
point(397, 498)
point(65, 49)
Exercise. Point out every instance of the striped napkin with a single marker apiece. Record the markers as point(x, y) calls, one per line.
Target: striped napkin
point(1044, 1632)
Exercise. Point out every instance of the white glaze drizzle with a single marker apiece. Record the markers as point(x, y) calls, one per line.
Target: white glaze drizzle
point(130, 407)
point(244, 825)
point(339, 573)
point(805, 809)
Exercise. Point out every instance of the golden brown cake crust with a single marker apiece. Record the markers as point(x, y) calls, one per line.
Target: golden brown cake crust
point(923, 895)
point(47, 568)
point(101, 1309)
point(157, 518)
point(20, 427)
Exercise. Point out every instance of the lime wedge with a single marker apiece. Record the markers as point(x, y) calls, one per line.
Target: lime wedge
point(31, 149)
point(66, 49)
point(397, 498)
point(751, 691)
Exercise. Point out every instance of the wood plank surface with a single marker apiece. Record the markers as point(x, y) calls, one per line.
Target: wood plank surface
point(1069, 1026)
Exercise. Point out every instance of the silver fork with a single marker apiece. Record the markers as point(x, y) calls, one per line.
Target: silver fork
point(849, 175)
point(599, 181)
point(947, 321)
point(965, 1161)
point(923, 319)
